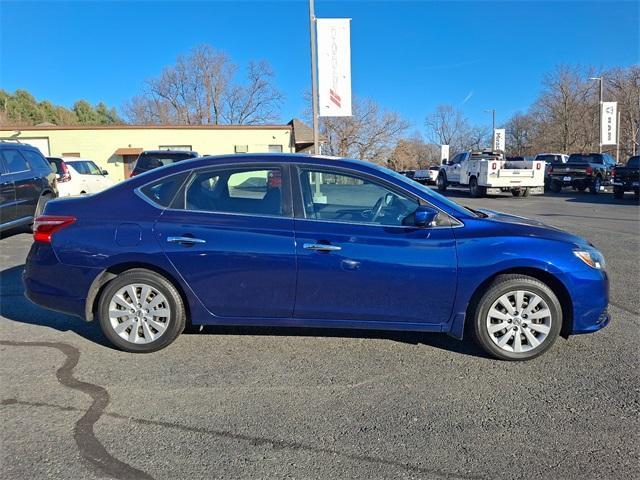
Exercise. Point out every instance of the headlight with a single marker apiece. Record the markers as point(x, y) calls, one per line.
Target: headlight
point(593, 258)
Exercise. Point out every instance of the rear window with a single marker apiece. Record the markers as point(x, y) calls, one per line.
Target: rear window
point(549, 158)
point(585, 158)
point(162, 192)
point(148, 161)
point(634, 162)
point(56, 165)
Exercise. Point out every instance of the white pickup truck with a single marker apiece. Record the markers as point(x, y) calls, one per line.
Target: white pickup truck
point(488, 172)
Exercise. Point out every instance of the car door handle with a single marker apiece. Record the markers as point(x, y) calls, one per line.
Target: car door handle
point(185, 240)
point(321, 247)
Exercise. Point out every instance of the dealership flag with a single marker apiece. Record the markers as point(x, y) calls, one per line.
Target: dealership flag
point(334, 67)
point(444, 152)
point(498, 139)
point(609, 123)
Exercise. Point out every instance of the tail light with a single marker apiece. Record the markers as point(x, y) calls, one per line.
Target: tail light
point(66, 175)
point(589, 171)
point(613, 172)
point(494, 166)
point(538, 165)
point(45, 226)
point(550, 169)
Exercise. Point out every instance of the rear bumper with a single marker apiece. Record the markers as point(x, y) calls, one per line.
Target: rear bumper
point(54, 285)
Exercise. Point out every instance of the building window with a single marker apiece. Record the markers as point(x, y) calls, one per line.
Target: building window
point(275, 148)
point(181, 148)
point(241, 148)
point(71, 154)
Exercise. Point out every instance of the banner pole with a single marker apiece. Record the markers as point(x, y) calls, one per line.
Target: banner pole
point(618, 138)
point(314, 77)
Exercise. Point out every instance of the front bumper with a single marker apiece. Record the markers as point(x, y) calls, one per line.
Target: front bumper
point(589, 290)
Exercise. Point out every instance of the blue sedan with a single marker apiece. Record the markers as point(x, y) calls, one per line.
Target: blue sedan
point(296, 240)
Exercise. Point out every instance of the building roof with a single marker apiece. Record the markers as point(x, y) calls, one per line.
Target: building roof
point(148, 127)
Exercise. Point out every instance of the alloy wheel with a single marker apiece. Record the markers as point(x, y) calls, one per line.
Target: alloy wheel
point(139, 313)
point(519, 321)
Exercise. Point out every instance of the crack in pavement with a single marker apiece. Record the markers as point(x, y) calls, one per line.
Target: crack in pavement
point(260, 441)
point(89, 446)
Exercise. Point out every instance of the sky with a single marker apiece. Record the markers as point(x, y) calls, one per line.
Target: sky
point(407, 56)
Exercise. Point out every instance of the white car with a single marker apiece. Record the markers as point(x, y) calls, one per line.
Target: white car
point(77, 176)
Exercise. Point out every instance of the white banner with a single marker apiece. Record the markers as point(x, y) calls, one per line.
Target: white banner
point(499, 139)
point(444, 152)
point(609, 116)
point(334, 67)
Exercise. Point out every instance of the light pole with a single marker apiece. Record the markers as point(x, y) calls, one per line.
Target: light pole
point(493, 130)
point(600, 80)
point(314, 76)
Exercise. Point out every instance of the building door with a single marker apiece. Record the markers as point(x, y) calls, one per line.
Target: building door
point(129, 161)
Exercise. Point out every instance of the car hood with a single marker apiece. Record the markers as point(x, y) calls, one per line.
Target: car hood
point(532, 228)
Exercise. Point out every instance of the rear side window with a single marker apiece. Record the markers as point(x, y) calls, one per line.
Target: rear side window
point(14, 161)
point(633, 162)
point(249, 192)
point(37, 161)
point(162, 192)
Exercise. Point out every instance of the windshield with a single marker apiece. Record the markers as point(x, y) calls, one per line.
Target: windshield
point(159, 159)
point(585, 158)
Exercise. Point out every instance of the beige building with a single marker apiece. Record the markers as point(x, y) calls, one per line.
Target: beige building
point(116, 148)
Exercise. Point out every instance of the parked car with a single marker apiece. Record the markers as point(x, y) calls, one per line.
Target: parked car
point(150, 159)
point(326, 243)
point(77, 176)
point(551, 160)
point(582, 171)
point(407, 173)
point(27, 183)
point(626, 178)
point(487, 172)
point(427, 175)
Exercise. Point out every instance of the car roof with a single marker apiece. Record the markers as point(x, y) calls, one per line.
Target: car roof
point(11, 144)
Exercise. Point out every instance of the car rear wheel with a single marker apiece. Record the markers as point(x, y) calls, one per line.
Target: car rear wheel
point(475, 190)
point(140, 311)
point(556, 186)
point(595, 186)
point(518, 318)
point(441, 181)
point(618, 192)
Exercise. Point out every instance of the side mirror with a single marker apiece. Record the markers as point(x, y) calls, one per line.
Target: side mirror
point(445, 162)
point(104, 172)
point(424, 216)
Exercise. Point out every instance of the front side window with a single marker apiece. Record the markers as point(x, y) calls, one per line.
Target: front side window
point(348, 198)
point(244, 191)
point(14, 161)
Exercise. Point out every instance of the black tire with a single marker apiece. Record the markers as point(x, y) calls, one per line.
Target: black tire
point(175, 305)
point(475, 190)
point(441, 181)
point(618, 192)
point(516, 193)
point(503, 285)
point(581, 188)
point(556, 186)
point(525, 192)
point(595, 185)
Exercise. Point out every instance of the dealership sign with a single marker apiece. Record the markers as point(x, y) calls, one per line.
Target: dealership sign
point(444, 152)
point(608, 124)
point(334, 67)
point(498, 139)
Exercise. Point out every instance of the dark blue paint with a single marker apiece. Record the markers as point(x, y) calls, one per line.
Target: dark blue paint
point(253, 270)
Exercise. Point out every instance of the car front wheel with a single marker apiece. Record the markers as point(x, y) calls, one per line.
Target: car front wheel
point(518, 318)
point(441, 181)
point(140, 311)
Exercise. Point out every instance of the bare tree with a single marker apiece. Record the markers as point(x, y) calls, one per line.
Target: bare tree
point(200, 89)
point(520, 130)
point(369, 134)
point(446, 126)
point(413, 153)
point(623, 86)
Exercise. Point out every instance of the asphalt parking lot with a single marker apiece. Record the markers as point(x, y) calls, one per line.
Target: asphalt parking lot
point(292, 403)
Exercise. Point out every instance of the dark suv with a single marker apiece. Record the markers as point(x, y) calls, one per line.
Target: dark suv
point(27, 182)
point(150, 159)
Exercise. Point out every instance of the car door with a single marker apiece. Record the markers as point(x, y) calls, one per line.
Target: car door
point(359, 258)
point(453, 172)
point(25, 180)
point(7, 194)
point(229, 233)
